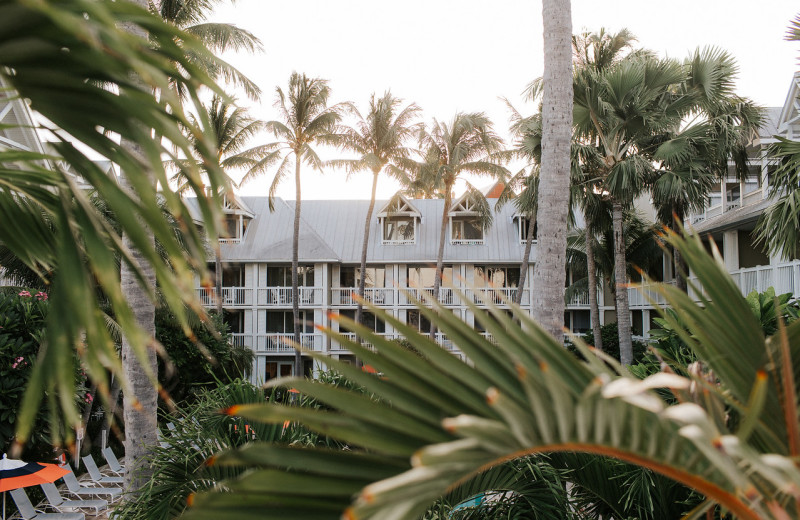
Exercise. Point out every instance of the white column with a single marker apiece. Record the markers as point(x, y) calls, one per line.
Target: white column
point(730, 250)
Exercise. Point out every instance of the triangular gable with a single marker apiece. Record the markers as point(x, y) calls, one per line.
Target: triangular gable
point(789, 120)
point(466, 204)
point(232, 204)
point(399, 205)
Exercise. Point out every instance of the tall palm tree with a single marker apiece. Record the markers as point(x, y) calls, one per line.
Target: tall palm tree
point(306, 120)
point(778, 227)
point(191, 16)
point(466, 145)
point(691, 157)
point(379, 141)
point(232, 127)
point(549, 272)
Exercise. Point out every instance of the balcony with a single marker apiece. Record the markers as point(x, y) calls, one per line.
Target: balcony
point(345, 296)
point(502, 296)
point(277, 343)
point(467, 241)
point(784, 277)
point(353, 337)
point(579, 300)
point(282, 296)
point(447, 295)
point(231, 297)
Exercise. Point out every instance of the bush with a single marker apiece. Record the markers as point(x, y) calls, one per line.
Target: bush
point(610, 336)
point(215, 362)
point(22, 323)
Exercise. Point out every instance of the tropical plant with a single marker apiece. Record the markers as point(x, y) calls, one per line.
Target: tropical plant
point(232, 127)
point(468, 144)
point(191, 17)
point(88, 94)
point(379, 140)
point(609, 334)
point(557, 99)
point(306, 120)
point(431, 423)
point(181, 463)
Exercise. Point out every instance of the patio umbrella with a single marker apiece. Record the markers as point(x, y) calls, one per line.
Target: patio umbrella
point(15, 474)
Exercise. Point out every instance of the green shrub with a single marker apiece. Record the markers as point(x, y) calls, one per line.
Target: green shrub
point(610, 336)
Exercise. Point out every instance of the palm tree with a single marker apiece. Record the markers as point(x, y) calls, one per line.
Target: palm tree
point(380, 144)
point(307, 120)
point(691, 157)
point(232, 127)
point(778, 226)
point(549, 272)
point(190, 16)
point(465, 145)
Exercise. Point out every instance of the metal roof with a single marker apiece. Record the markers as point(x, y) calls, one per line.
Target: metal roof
point(333, 230)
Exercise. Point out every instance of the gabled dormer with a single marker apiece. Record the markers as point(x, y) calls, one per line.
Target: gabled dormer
point(467, 217)
point(398, 221)
point(788, 124)
point(237, 218)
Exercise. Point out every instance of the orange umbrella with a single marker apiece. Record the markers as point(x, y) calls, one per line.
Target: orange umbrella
point(15, 474)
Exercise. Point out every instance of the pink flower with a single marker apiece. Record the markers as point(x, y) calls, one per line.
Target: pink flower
point(88, 398)
point(19, 361)
point(26, 294)
point(41, 296)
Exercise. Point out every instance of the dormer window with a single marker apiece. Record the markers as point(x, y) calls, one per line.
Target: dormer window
point(466, 230)
point(236, 220)
point(398, 221)
point(466, 222)
point(399, 230)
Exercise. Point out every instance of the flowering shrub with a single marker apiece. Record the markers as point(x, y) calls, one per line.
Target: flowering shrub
point(22, 324)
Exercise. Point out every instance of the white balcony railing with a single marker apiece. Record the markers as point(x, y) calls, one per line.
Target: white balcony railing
point(466, 241)
point(579, 300)
point(353, 337)
point(447, 295)
point(345, 296)
point(784, 277)
point(282, 296)
point(231, 296)
point(497, 295)
point(282, 342)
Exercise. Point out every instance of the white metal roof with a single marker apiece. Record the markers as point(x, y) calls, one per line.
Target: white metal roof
point(333, 230)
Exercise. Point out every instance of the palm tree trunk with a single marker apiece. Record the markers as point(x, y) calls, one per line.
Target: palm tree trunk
point(437, 281)
point(365, 245)
point(592, 273)
point(621, 275)
point(549, 272)
point(679, 263)
point(140, 400)
point(298, 360)
point(218, 279)
point(526, 258)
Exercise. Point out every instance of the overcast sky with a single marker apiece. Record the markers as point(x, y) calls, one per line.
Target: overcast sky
point(450, 56)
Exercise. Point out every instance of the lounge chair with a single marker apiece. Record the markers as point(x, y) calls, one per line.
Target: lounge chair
point(58, 503)
point(113, 462)
point(28, 512)
point(96, 475)
point(75, 487)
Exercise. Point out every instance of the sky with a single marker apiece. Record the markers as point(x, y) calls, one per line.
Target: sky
point(448, 56)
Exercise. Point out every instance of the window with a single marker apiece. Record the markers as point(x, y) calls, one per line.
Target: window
point(753, 180)
point(466, 230)
point(367, 319)
point(399, 230)
point(732, 196)
point(522, 226)
point(234, 227)
point(418, 321)
point(715, 196)
point(281, 276)
point(282, 322)
point(424, 277)
point(500, 277)
point(374, 277)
